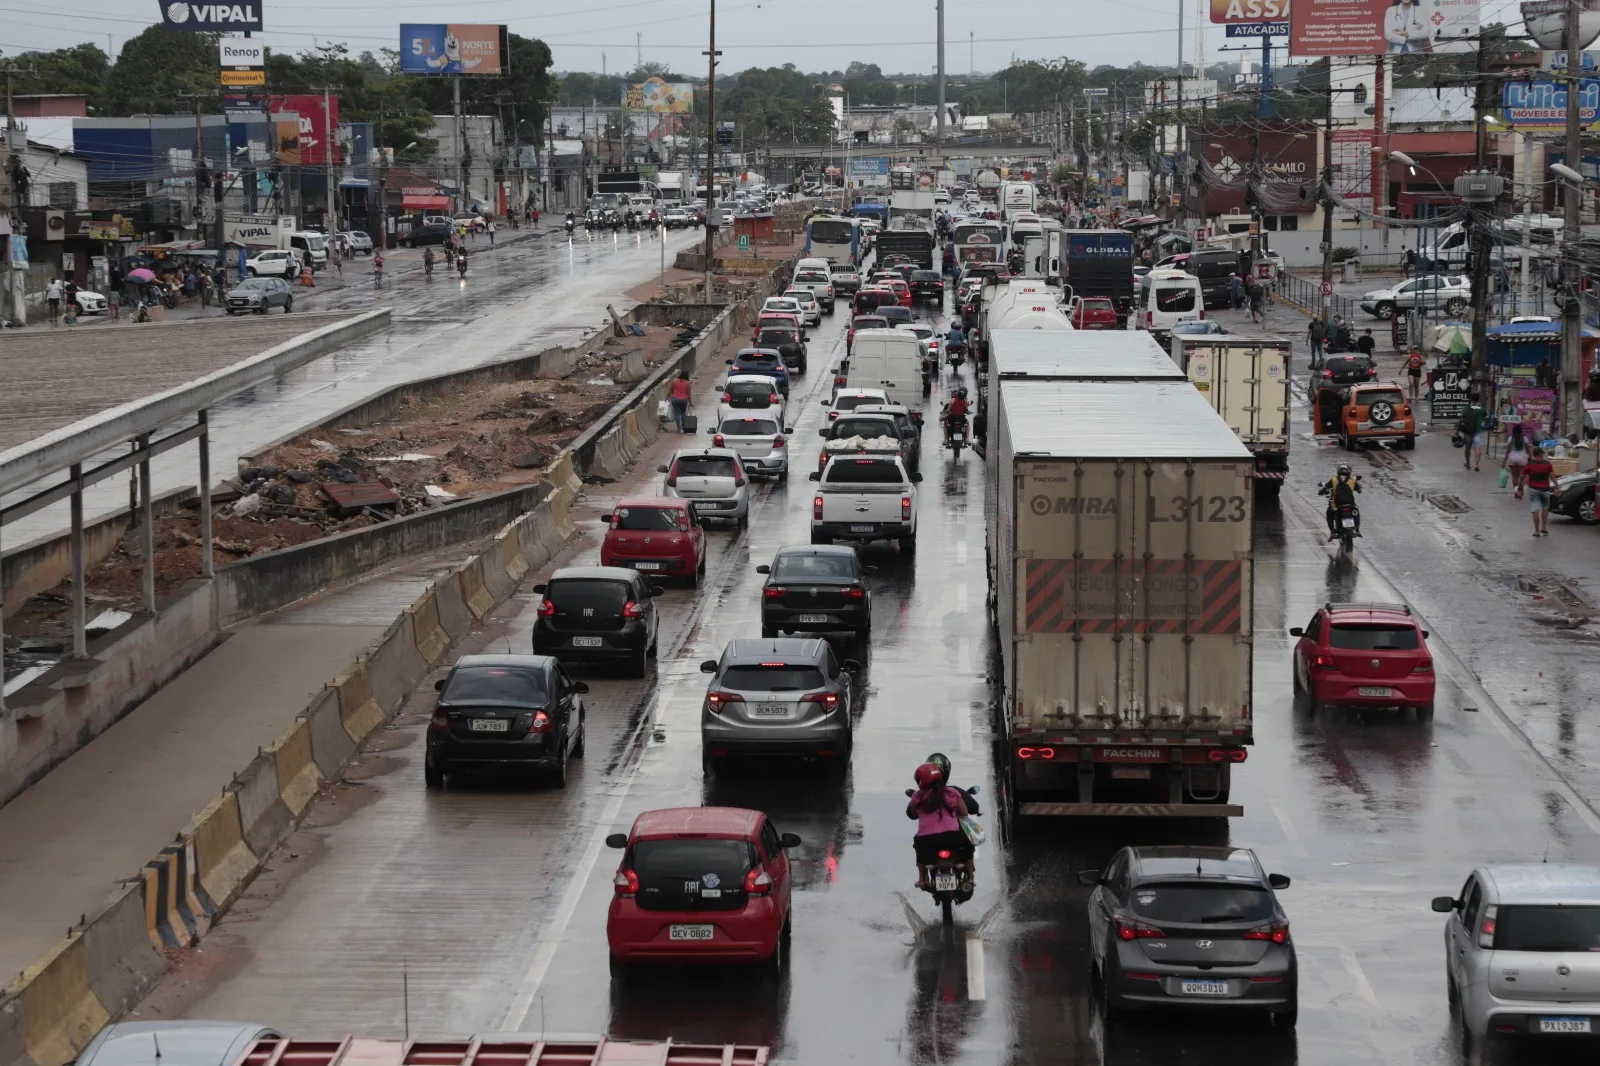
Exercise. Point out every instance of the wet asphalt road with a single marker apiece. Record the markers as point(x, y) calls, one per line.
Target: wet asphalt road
point(487, 901)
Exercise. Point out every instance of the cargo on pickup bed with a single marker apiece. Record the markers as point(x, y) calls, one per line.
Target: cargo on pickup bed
point(865, 498)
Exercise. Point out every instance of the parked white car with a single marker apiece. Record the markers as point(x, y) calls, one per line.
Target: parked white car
point(90, 303)
point(274, 263)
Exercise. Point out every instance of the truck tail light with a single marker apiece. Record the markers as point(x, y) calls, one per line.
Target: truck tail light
point(816, 508)
point(905, 508)
point(1149, 319)
point(1227, 755)
point(1133, 929)
point(757, 882)
point(632, 610)
point(828, 700)
point(1036, 753)
point(1276, 932)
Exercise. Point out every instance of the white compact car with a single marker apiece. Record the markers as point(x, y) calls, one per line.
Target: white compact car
point(810, 308)
point(274, 263)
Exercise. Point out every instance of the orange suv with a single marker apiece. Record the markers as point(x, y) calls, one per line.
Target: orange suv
point(1357, 414)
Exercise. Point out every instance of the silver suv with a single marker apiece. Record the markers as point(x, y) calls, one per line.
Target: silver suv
point(777, 696)
point(1522, 951)
point(1451, 293)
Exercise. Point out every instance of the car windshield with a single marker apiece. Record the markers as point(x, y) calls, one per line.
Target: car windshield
point(748, 427)
point(1200, 903)
point(692, 860)
point(1525, 928)
point(495, 684)
point(772, 678)
point(864, 471)
point(655, 519)
point(1173, 300)
point(1373, 637)
point(859, 427)
point(778, 336)
point(588, 594)
point(256, 283)
point(1372, 396)
point(795, 567)
point(704, 466)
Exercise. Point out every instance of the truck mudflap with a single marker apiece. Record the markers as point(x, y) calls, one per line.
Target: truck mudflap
point(1270, 475)
point(1131, 810)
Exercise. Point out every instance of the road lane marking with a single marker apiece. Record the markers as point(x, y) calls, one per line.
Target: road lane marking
point(964, 726)
point(964, 655)
point(556, 931)
point(977, 988)
point(955, 596)
point(1352, 966)
point(1290, 833)
point(961, 553)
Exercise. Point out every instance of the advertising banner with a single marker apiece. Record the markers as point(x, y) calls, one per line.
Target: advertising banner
point(312, 132)
point(258, 231)
point(1533, 407)
point(1289, 162)
point(1258, 29)
point(211, 18)
point(1380, 27)
point(661, 97)
point(865, 167)
point(1449, 389)
point(1542, 105)
point(452, 48)
point(1235, 12)
point(288, 140)
point(238, 78)
point(1352, 169)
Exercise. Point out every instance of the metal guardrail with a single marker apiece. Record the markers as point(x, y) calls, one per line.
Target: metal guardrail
point(1307, 293)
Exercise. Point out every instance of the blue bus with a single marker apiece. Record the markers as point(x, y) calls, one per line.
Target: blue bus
point(835, 239)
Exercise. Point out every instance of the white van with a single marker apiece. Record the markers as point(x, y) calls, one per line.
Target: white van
point(891, 360)
point(1167, 297)
point(313, 242)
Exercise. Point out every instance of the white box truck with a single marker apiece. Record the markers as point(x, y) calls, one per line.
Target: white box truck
point(1122, 579)
point(1246, 381)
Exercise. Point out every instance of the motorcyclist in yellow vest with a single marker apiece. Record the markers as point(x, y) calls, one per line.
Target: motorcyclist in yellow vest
point(1341, 490)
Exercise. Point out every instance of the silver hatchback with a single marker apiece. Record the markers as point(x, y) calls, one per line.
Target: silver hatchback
point(1522, 951)
point(782, 696)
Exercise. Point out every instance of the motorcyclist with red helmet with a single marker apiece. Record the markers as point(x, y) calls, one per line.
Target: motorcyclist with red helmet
point(938, 809)
point(954, 413)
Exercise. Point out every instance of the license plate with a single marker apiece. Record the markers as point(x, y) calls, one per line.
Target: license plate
point(1349, 523)
point(1204, 988)
point(1374, 691)
point(587, 642)
point(1130, 773)
point(490, 725)
point(1564, 1025)
point(813, 619)
point(861, 529)
point(772, 710)
point(689, 932)
point(648, 566)
point(946, 883)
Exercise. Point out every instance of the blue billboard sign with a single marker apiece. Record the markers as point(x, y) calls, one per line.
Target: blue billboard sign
point(1258, 29)
point(860, 168)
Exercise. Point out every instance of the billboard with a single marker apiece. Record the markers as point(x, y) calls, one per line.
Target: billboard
point(312, 131)
point(453, 48)
point(1380, 27)
point(1547, 19)
point(1351, 161)
point(1289, 164)
point(211, 18)
point(861, 167)
point(1541, 104)
point(662, 97)
point(1235, 12)
point(1258, 29)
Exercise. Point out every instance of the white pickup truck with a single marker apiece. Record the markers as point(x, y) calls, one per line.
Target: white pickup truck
point(865, 498)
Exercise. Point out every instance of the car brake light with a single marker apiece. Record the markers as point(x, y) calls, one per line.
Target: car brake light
point(816, 508)
point(441, 719)
point(905, 508)
point(672, 476)
point(757, 883)
point(626, 882)
point(717, 441)
point(1327, 373)
point(854, 592)
point(1277, 932)
point(1149, 318)
point(1486, 930)
point(541, 723)
point(1324, 662)
point(774, 592)
point(778, 441)
point(718, 701)
point(1202, 314)
point(546, 609)
point(772, 398)
point(1133, 929)
point(1425, 667)
point(829, 700)
point(632, 610)
point(727, 397)
point(738, 479)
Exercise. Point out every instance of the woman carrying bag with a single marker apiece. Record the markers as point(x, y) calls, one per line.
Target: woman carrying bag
point(1516, 460)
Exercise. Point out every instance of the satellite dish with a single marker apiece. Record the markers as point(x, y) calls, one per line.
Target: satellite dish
point(1546, 21)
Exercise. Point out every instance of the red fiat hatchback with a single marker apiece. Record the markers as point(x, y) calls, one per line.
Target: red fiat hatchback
point(701, 884)
point(656, 535)
point(1364, 655)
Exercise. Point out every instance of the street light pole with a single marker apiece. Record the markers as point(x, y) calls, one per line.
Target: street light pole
point(938, 148)
point(711, 150)
point(1572, 205)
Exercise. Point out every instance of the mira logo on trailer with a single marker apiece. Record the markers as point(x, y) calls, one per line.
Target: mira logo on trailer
point(208, 18)
point(1086, 505)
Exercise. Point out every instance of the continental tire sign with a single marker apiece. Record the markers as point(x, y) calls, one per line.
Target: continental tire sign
point(211, 18)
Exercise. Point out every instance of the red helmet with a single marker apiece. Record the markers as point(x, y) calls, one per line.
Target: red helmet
point(928, 775)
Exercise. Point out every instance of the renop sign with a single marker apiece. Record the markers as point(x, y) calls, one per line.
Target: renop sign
point(211, 18)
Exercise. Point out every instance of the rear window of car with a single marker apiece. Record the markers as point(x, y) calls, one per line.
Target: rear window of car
point(926, 275)
point(1200, 903)
point(1368, 397)
point(863, 471)
point(750, 389)
point(578, 594)
point(792, 567)
point(843, 270)
point(760, 360)
point(812, 276)
point(777, 336)
point(648, 518)
point(805, 296)
point(1526, 928)
point(1173, 300)
point(748, 427)
point(691, 860)
point(869, 322)
point(1373, 637)
point(705, 466)
point(495, 684)
point(772, 678)
point(895, 315)
point(858, 427)
point(1097, 303)
point(849, 402)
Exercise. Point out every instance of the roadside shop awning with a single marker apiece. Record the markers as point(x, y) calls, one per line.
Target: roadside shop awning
point(425, 203)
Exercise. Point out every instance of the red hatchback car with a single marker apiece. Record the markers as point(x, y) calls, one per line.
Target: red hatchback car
point(1364, 655)
point(1095, 312)
point(701, 884)
point(656, 535)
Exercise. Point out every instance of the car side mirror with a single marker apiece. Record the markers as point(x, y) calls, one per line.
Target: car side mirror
point(788, 429)
point(438, 686)
point(1277, 881)
point(617, 840)
point(1444, 904)
point(851, 665)
point(815, 475)
point(1088, 877)
point(916, 477)
point(1424, 634)
point(541, 588)
point(1297, 632)
point(822, 432)
point(824, 402)
point(763, 569)
point(709, 666)
point(789, 840)
point(711, 431)
point(661, 469)
point(657, 590)
point(727, 362)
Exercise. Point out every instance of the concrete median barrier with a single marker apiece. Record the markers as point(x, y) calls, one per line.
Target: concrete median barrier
point(492, 564)
point(60, 1012)
point(298, 779)
point(606, 460)
point(263, 816)
point(174, 912)
point(395, 666)
point(473, 592)
point(224, 863)
point(359, 712)
point(453, 613)
point(511, 557)
point(432, 640)
point(123, 965)
point(331, 743)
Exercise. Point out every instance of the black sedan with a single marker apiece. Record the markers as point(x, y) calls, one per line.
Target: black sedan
point(1180, 926)
point(1574, 496)
point(818, 588)
point(927, 285)
point(1348, 369)
point(499, 712)
point(598, 614)
point(258, 296)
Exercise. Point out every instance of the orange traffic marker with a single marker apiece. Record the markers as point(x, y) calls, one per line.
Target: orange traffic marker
point(305, 280)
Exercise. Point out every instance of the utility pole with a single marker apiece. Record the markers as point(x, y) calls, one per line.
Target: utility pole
point(460, 145)
point(711, 151)
point(13, 282)
point(1478, 238)
point(1327, 203)
point(330, 138)
point(938, 149)
point(1572, 205)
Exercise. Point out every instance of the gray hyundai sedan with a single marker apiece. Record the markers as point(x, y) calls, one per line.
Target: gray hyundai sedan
point(779, 696)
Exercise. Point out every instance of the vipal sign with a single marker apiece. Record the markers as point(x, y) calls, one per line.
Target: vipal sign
point(211, 18)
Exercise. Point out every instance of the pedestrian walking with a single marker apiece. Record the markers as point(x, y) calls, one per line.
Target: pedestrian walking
point(534, 212)
point(1365, 344)
point(1257, 298)
point(52, 297)
point(1516, 461)
point(491, 233)
point(1233, 291)
point(1537, 475)
point(678, 397)
point(1414, 363)
point(338, 262)
point(1315, 334)
point(114, 302)
point(1471, 428)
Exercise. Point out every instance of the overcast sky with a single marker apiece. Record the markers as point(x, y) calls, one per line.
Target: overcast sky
point(898, 35)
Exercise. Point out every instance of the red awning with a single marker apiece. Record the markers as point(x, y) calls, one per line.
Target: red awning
point(425, 203)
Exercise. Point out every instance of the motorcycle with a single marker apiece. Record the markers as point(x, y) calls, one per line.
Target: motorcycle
point(461, 265)
point(943, 879)
point(955, 434)
point(954, 356)
point(1345, 520)
point(571, 224)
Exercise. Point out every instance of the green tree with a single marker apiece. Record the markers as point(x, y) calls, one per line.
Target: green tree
point(156, 66)
point(82, 69)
